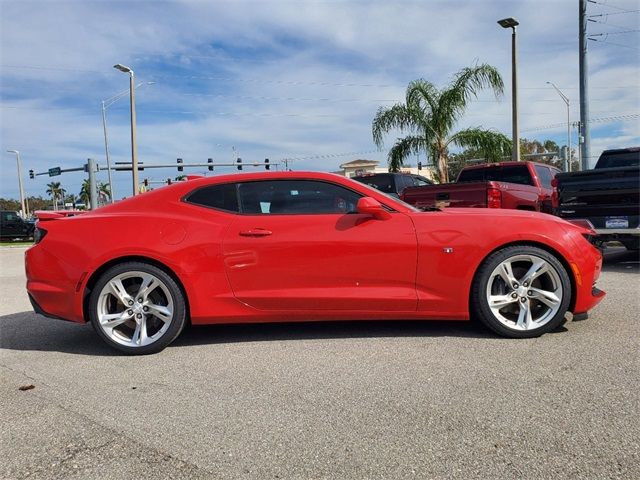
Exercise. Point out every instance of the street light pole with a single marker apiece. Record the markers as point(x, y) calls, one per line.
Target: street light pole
point(24, 210)
point(513, 23)
point(106, 104)
point(134, 149)
point(106, 150)
point(567, 165)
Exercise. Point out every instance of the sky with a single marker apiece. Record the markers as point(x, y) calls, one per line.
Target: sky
point(296, 80)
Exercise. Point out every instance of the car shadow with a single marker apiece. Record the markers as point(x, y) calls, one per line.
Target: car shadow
point(28, 331)
point(621, 260)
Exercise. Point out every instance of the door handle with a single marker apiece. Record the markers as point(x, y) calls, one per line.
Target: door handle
point(255, 232)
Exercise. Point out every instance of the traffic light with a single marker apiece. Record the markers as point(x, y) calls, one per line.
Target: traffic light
point(146, 182)
point(31, 174)
point(266, 164)
point(180, 169)
point(239, 162)
point(210, 167)
point(419, 165)
point(168, 181)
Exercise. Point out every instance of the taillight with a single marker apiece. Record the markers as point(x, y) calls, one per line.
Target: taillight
point(494, 198)
point(38, 234)
point(555, 197)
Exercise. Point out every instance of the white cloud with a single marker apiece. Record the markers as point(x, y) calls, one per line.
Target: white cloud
point(269, 77)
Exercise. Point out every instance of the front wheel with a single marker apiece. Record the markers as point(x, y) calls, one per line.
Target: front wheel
point(137, 308)
point(521, 292)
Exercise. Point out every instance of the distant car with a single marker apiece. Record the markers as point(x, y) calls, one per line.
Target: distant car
point(392, 183)
point(12, 226)
point(299, 246)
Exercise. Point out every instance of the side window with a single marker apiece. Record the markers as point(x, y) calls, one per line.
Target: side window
point(544, 175)
point(419, 181)
point(8, 216)
point(221, 197)
point(296, 197)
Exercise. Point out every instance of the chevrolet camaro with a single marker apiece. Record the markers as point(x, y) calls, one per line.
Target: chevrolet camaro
point(303, 246)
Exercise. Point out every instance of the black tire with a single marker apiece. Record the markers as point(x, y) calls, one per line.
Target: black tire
point(504, 320)
point(166, 289)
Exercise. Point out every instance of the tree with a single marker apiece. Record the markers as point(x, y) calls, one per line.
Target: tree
point(84, 195)
point(430, 114)
point(55, 190)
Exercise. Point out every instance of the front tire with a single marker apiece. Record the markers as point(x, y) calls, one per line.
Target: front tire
point(137, 308)
point(521, 292)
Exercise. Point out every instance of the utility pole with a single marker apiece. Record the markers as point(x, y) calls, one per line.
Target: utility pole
point(93, 193)
point(584, 140)
point(20, 187)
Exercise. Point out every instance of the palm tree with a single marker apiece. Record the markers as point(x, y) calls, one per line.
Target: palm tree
point(55, 190)
point(103, 188)
point(84, 194)
point(430, 114)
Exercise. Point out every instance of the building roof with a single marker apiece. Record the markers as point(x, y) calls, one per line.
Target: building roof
point(360, 163)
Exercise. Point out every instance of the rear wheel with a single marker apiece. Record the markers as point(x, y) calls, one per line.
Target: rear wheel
point(137, 308)
point(521, 292)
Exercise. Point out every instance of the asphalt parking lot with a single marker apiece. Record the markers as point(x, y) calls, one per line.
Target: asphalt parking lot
point(327, 400)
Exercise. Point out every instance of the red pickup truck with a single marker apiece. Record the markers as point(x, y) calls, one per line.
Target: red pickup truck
point(518, 185)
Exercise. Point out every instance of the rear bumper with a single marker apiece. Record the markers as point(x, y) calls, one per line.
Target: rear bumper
point(51, 285)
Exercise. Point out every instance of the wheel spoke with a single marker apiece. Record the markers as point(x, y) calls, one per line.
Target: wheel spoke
point(117, 288)
point(550, 299)
point(537, 268)
point(160, 311)
point(112, 320)
point(149, 283)
point(499, 301)
point(524, 317)
point(506, 272)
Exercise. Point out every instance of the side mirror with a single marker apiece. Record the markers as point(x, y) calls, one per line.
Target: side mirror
point(371, 206)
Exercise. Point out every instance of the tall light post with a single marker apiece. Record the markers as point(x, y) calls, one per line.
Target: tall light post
point(134, 148)
point(567, 165)
point(106, 104)
point(24, 210)
point(512, 23)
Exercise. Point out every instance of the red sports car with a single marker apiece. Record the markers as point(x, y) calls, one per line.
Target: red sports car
point(298, 246)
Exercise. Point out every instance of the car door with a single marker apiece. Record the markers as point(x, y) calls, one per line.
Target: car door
point(299, 245)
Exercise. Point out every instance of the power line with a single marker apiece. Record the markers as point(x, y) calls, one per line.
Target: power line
point(591, 120)
point(613, 43)
point(613, 13)
point(612, 33)
point(607, 24)
point(604, 4)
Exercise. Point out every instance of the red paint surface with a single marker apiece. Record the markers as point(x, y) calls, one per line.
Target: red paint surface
point(261, 268)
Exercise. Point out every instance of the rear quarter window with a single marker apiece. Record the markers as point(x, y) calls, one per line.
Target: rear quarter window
point(221, 197)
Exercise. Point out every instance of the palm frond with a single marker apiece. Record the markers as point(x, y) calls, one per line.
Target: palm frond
point(404, 147)
point(493, 144)
point(397, 116)
point(465, 86)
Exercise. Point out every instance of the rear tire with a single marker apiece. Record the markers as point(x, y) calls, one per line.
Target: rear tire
point(137, 308)
point(521, 292)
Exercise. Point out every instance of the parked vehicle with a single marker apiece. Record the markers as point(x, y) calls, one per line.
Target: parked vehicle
point(298, 246)
point(607, 196)
point(12, 226)
point(393, 183)
point(517, 185)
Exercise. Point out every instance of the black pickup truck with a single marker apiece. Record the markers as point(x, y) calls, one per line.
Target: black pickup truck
point(608, 196)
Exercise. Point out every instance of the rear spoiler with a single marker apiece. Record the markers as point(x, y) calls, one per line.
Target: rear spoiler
point(44, 215)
